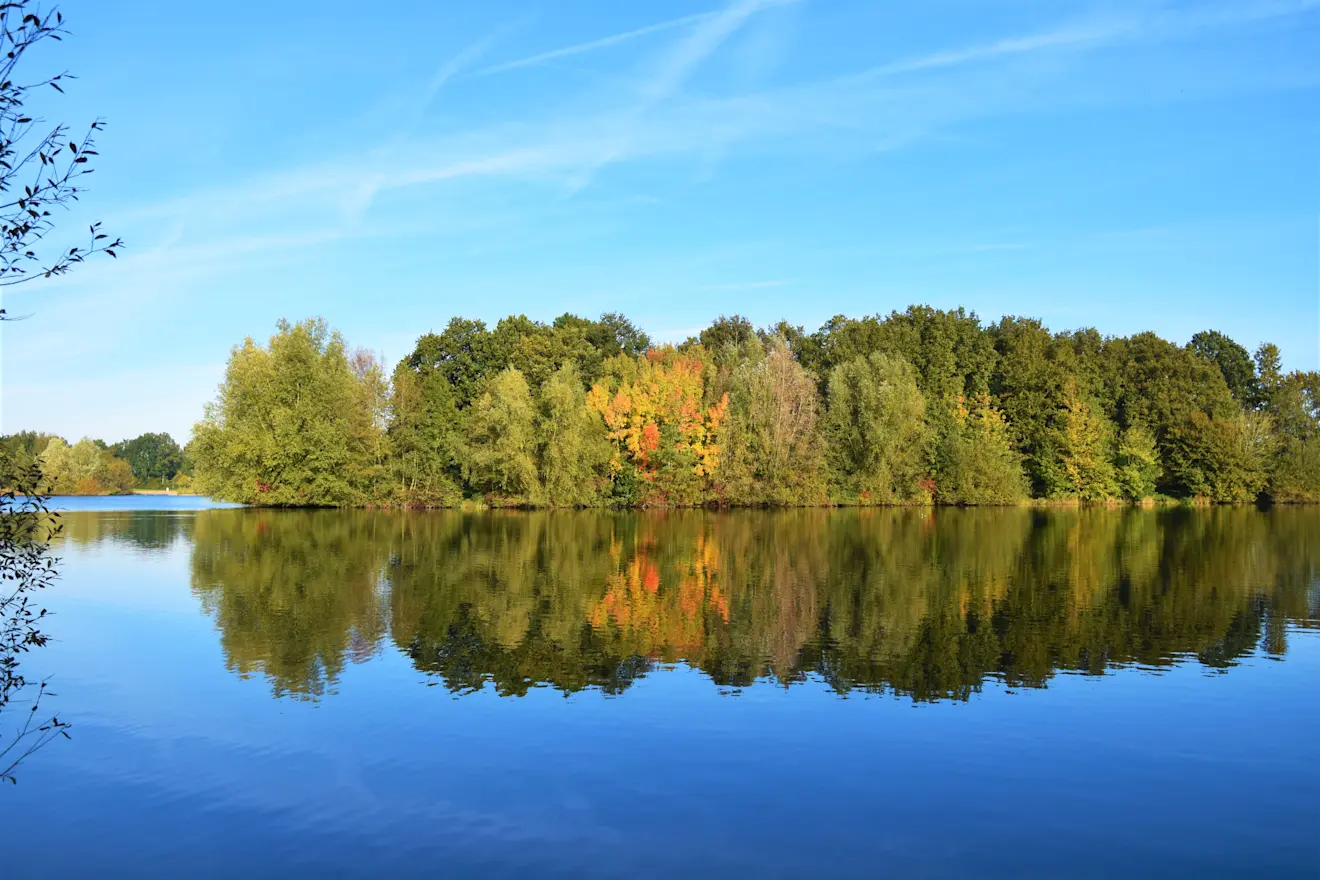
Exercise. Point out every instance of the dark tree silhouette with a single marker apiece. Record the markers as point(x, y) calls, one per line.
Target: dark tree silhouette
point(41, 166)
point(26, 529)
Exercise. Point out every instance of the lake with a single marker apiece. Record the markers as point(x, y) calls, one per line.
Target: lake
point(851, 693)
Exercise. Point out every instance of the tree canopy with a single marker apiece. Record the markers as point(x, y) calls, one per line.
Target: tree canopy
point(919, 406)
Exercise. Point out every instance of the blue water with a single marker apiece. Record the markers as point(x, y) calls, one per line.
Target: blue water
point(191, 758)
point(112, 503)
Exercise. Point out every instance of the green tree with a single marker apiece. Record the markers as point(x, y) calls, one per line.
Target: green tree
point(1219, 458)
point(24, 448)
point(726, 338)
point(291, 424)
point(1295, 476)
point(1137, 463)
point(950, 350)
point(115, 476)
point(151, 456)
point(1269, 373)
point(464, 354)
point(425, 439)
point(574, 453)
point(84, 469)
point(537, 350)
point(975, 459)
point(1233, 361)
point(1085, 448)
point(1293, 406)
point(1031, 384)
point(773, 451)
point(876, 431)
point(1181, 397)
point(612, 334)
point(65, 466)
point(500, 455)
point(1163, 384)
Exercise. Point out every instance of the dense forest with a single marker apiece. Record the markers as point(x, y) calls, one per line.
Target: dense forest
point(93, 467)
point(922, 406)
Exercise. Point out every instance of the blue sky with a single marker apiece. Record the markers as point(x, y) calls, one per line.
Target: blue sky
point(1122, 164)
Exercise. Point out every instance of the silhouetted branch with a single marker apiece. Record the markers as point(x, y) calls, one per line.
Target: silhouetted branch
point(40, 168)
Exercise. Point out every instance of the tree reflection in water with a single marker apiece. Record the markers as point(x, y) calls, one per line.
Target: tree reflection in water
point(927, 604)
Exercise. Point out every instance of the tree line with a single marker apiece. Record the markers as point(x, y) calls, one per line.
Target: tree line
point(918, 407)
point(93, 467)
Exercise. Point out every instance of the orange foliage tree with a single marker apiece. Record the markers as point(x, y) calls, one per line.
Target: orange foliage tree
point(664, 433)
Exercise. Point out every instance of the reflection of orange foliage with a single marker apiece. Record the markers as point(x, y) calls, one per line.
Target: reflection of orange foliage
point(667, 392)
point(664, 621)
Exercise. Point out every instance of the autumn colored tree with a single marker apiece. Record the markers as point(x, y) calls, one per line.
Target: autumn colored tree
point(661, 429)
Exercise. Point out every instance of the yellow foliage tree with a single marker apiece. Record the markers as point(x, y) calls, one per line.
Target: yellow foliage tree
point(661, 427)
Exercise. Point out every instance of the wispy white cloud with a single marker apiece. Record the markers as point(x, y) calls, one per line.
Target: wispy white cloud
point(1111, 29)
point(675, 67)
point(1067, 38)
point(593, 45)
point(657, 123)
point(689, 53)
point(456, 65)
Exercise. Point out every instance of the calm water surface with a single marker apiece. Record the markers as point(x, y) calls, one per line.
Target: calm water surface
point(804, 693)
